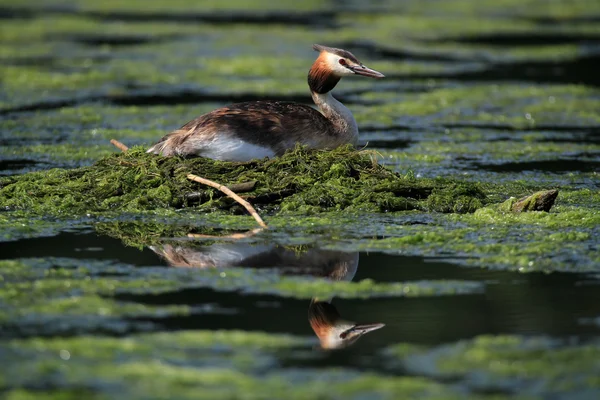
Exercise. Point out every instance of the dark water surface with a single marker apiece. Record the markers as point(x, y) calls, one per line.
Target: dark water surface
point(512, 303)
point(487, 305)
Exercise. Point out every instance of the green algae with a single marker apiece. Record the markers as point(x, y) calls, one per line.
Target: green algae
point(489, 238)
point(140, 6)
point(96, 123)
point(224, 384)
point(69, 152)
point(31, 78)
point(173, 345)
point(266, 67)
point(496, 237)
point(139, 235)
point(229, 364)
point(247, 72)
point(59, 394)
point(581, 198)
point(565, 217)
point(369, 289)
point(66, 288)
point(414, 19)
point(524, 365)
point(216, 365)
point(59, 289)
point(514, 356)
point(516, 106)
point(300, 181)
point(172, 53)
point(18, 225)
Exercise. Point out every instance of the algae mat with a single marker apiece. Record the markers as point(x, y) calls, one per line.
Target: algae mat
point(104, 295)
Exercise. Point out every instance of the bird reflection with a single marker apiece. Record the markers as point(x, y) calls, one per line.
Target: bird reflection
point(332, 330)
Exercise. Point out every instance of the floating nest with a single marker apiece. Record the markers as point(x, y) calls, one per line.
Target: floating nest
point(301, 181)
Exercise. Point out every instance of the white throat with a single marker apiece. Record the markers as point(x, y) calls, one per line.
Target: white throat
point(339, 115)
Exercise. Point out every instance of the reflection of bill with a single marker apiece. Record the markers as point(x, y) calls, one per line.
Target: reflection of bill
point(333, 332)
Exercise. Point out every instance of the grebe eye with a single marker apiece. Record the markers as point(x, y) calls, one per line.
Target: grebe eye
point(342, 61)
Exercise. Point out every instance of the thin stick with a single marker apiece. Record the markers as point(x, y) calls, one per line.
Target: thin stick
point(119, 145)
point(231, 194)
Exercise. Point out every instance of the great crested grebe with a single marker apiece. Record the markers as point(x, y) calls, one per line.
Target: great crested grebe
point(257, 129)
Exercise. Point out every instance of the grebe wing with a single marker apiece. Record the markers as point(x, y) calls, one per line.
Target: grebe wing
point(257, 129)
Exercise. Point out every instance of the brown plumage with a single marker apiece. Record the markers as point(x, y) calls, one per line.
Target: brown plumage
point(322, 317)
point(257, 129)
point(281, 124)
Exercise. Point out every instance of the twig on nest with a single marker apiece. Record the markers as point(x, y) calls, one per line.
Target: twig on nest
point(231, 194)
point(119, 145)
point(245, 186)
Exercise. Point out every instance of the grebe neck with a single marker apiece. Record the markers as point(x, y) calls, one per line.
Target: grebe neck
point(340, 116)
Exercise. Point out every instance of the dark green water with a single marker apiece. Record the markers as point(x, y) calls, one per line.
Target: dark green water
point(512, 303)
point(487, 305)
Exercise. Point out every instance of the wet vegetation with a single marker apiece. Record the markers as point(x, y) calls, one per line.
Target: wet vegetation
point(473, 199)
point(301, 181)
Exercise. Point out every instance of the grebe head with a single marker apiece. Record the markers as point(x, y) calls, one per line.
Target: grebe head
point(333, 64)
point(343, 63)
point(334, 332)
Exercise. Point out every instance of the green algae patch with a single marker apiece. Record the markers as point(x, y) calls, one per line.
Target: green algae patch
point(139, 6)
point(305, 181)
point(176, 344)
point(59, 152)
point(75, 292)
point(522, 106)
point(146, 234)
point(496, 237)
point(67, 288)
point(18, 225)
point(516, 364)
point(369, 289)
point(54, 394)
point(195, 365)
point(517, 357)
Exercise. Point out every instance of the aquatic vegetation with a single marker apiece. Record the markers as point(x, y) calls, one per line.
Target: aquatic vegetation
point(302, 181)
point(220, 365)
point(57, 296)
point(484, 103)
point(18, 225)
point(68, 153)
point(493, 237)
point(510, 106)
point(512, 364)
point(65, 290)
point(188, 6)
point(55, 288)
